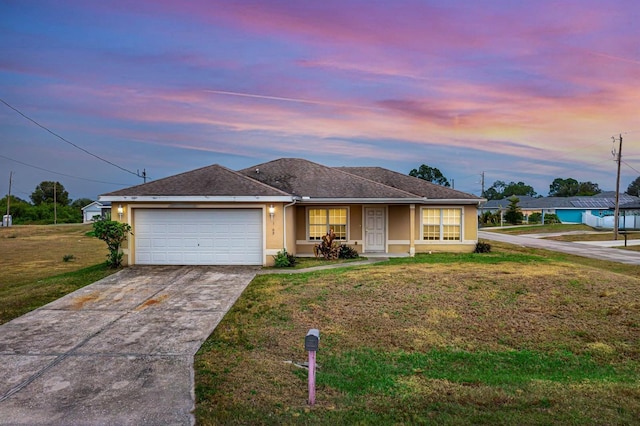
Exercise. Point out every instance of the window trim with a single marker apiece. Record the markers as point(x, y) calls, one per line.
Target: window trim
point(326, 208)
point(441, 224)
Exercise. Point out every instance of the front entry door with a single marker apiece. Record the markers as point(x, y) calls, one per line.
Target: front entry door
point(374, 229)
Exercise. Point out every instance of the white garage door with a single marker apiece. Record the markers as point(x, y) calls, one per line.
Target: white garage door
point(198, 237)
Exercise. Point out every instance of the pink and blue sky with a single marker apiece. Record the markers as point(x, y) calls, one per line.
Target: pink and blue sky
point(520, 90)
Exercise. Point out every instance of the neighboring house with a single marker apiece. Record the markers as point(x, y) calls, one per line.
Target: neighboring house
point(95, 209)
point(215, 215)
point(526, 204)
point(629, 218)
point(568, 209)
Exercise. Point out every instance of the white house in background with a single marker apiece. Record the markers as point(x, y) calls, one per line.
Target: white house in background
point(97, 208)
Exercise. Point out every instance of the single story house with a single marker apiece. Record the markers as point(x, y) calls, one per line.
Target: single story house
point(568, 209)
point(95, 209)
point(214, 215)
point(629, 218)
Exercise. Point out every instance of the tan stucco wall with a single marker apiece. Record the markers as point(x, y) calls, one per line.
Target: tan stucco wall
point(445, 248)
point(355, 223)
point(398, 223)
point(300, 215)
point(398, 228)
point(470, 223)
point(418, 219)
point(302, 249)
point(274, 234)
point(291, 229)
point(398, 248)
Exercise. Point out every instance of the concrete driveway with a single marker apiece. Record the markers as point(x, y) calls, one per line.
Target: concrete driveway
point(119, 351)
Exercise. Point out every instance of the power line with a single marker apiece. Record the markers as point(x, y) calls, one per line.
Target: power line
point(62, 174)
point(630, 166)
point(65, 140)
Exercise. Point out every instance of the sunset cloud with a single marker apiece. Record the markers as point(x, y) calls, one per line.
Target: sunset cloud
point(523, 90)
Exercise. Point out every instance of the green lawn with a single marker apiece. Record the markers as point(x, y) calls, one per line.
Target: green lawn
point(311, 262)
point(538, 229)
point(42, 263)
point(18, 299)
point(516, 336)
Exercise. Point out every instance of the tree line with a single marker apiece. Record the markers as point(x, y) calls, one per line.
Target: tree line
point(560, 187)
point(49, 203)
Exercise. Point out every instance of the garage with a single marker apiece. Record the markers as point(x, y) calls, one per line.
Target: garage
point(198, 236)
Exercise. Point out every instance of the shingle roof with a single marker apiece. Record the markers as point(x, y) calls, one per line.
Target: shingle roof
point(305, 178)
point(214, 180)
point(294, 177)
point(408, 183)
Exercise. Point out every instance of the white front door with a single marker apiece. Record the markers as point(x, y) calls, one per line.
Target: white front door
point(374, 229)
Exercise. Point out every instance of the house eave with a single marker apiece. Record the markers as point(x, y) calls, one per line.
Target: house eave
point(95, 203)
point(312, 200)
point(195, 199)
point(455, 201)
point(422, 201)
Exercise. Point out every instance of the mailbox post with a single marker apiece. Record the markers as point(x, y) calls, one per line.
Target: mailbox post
point(311, 343)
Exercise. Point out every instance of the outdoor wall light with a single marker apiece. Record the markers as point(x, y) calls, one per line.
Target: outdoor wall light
point(272, 211)
point(120, 211)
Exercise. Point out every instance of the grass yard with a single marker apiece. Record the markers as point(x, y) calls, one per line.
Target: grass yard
point(580, 233)
point(599, 236)
point(517, 336)
point(311, 262)
point(538, 229)
point(34, 271)
point(632, 239)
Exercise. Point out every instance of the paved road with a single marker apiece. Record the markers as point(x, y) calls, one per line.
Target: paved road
point(119, 351)
point(584, 250)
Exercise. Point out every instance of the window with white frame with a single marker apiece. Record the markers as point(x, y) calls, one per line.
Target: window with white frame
point(442, 224)
point(322, 220)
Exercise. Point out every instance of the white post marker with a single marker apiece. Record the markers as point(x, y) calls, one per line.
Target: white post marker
point(311, 343)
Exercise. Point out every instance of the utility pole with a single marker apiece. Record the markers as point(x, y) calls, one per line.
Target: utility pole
point(55, 204)
point(143, 175)
point(618, 157)
point(9, 197)
point(482, 182)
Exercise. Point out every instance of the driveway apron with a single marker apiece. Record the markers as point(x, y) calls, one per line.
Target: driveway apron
point(119, 351)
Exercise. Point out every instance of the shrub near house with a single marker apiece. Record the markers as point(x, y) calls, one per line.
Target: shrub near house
point(548, 218)
point(514, 214)
point(114, 234)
